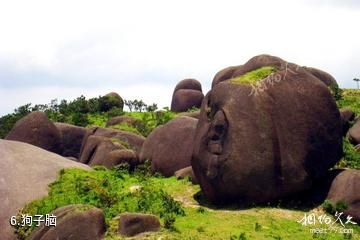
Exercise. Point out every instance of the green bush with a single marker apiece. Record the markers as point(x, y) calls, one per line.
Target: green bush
point(106, 103)
point(351, 158)
point(126, 127)
point(109, 190)
point(332, 208)
point(80, 119)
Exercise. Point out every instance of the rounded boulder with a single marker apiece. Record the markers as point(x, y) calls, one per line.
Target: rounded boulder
point(169, 147)
point(345, 188)
point(257, 143)
point(187, 94)
point(36, 129)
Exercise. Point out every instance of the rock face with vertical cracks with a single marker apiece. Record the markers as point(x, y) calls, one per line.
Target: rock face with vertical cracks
point(258, 145)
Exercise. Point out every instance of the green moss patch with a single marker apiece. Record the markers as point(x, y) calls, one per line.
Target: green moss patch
point(254, 75)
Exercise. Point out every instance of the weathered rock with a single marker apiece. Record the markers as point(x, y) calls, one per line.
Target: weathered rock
point(117, 157)
point(258, 62)
point(224, 74)
point(346, 117)
point(133, 140)
point(72, 159)
point(186, 172)
point(345, 188)
point(25, 172)
point(187, 94)
point(96, 149)
point(184, 99)
point(190, 114)
point(114, 94)
point(190, 83)
point(73, 222)
point(122, 119)
point(72, 138)
point(36, 129)
point(169, 147)
point(262, 146)
point(110, 101)
point(323, 76)
point(354, 133)
point(131, 224)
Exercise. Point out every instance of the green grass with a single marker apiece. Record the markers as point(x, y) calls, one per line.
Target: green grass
point(253, 76)
point(351, 158)
point(147, 121)
point(171, 199)
point(97, 119)
point(126, 127)
point(350, 99)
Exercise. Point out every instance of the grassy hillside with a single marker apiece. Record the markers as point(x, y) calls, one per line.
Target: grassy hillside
point(173, 201)
point(183, 213)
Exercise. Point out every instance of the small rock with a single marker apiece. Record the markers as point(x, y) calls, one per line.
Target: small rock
point(73, 222)
point(186, 172)
point(131, 224)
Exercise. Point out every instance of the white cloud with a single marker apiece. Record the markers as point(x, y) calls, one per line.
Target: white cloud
point(95, 45)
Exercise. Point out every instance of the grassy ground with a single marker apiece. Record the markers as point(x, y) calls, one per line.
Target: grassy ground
point(350, 99)
point(168, 198)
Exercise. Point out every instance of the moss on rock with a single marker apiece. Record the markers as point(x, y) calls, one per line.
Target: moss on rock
point(253, 76)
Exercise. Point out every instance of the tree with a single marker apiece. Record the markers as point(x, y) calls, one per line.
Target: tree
point(152, 108)
point(108, 102)
point(129, 104)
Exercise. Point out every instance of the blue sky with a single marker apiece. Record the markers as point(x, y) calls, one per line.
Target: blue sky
point(141, 49)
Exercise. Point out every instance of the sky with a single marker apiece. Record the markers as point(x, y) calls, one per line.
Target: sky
point(141, 49)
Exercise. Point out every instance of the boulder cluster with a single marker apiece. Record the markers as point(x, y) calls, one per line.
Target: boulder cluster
point(267, 130)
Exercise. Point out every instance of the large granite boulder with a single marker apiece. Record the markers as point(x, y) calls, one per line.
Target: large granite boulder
point(120, 156)
point(96, 150)
point(169, 147)
point(187, 94)
point(323, 76)
point(346, 189)
point(224, 74)
point(109, 101)
point(36, 129)
point(25, 172)
point(134, 141)
point(72, 138)
point(73, 222)
point(266, 140)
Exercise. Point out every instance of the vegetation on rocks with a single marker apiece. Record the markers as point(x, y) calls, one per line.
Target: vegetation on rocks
point(92, 112)
point(254, 75)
